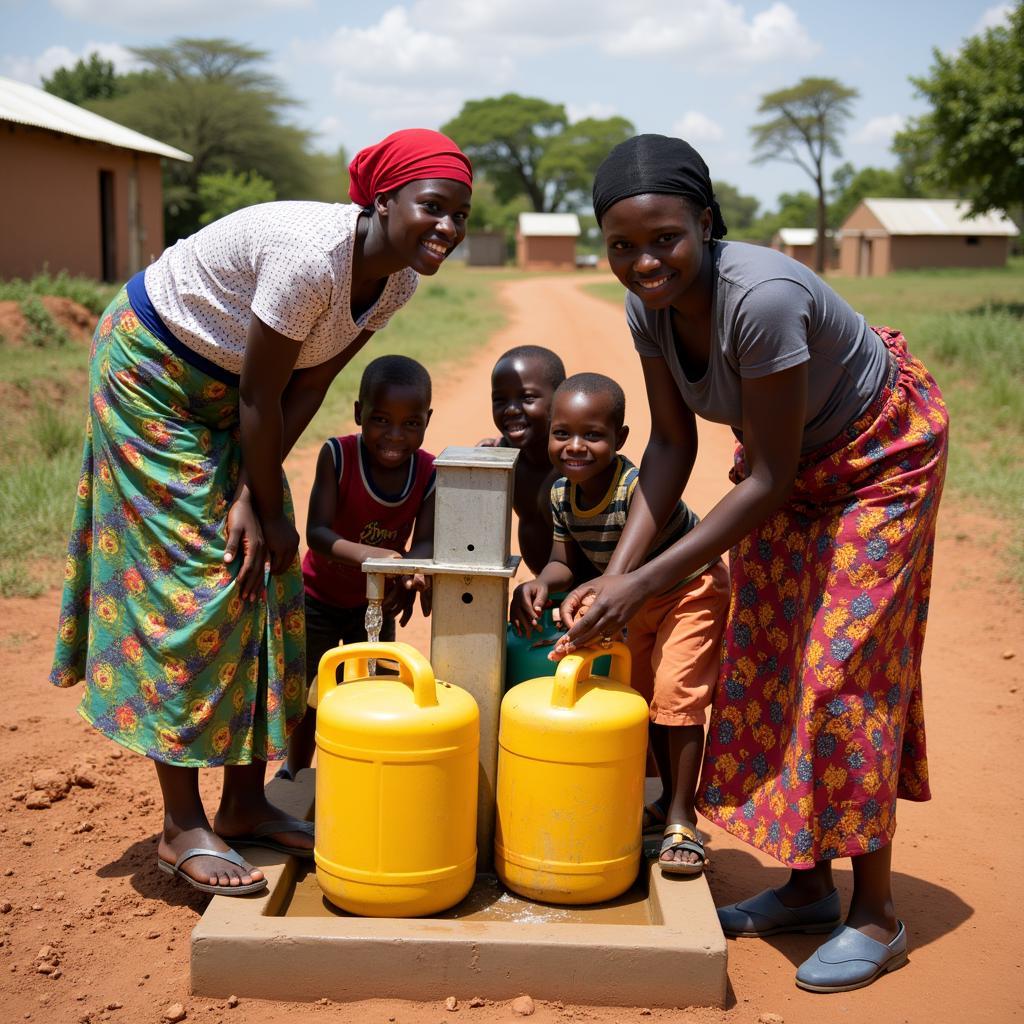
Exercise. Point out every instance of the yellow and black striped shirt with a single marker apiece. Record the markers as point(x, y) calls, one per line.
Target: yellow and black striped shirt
point(596, 530)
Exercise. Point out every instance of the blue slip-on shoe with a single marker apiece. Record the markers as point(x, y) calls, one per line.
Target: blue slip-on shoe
point(764, 914)
point(851, 960)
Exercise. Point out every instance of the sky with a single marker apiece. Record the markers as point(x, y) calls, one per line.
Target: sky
point(691, 68)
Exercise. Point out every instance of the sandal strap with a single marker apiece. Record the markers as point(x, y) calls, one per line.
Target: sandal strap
point(682, 837)
point(197, 851)
point(269, 828)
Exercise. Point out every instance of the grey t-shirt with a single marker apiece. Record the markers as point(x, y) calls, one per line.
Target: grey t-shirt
point(769, 313)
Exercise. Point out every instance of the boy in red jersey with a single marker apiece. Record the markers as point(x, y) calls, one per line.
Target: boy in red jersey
point(373, 491)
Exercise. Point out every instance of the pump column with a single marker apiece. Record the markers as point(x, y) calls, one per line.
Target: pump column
point(473, 527)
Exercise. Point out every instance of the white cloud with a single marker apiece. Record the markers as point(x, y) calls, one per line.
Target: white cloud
point(714, 33)
point(880, 130)
point(696, 127)
point(581, 111)
point(992, 17)
point(168, 12)
point(33, 70)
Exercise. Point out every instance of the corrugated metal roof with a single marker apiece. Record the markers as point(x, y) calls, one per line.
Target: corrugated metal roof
point(25, 104)
point(798, 236)
point(561, 224)
point(937, 217)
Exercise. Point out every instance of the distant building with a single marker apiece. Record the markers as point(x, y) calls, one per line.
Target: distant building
point(802, 243)
point(882, 235)
point(485, 248)
point(77, 192)
point(547, 241)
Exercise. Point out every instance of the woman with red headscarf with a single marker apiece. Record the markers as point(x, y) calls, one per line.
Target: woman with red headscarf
point(182, 609)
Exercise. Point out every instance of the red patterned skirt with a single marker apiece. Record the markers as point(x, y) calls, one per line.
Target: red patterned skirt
point(817, 724)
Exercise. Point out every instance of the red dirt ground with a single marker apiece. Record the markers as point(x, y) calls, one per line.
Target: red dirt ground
point(90, 931)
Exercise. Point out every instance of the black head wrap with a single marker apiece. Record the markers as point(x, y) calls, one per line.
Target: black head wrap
point(658, 164)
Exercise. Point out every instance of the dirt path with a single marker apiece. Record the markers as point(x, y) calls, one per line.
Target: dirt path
point(80, 891)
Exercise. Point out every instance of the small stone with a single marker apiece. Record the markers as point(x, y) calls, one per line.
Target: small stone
point(26, 842)
point(83, 778)
point(85, 826)
point(55, 973)
point(770, 1018)
point(152, 935)
point(13, 727)
point(451, 1003)
point(38, 800)
point(232, 1001)
point(55, 784)
point(523, 1005)
point(477, 1001)
point(175, 1011)
point(8, 872)
point(46, 968)
point(45, 953)
point(117, 755)
point(645, 1012)
point(37, 906)
point(114, 1006)
point(1007, 655)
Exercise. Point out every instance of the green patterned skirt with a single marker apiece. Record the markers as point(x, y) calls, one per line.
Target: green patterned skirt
point(176, 665)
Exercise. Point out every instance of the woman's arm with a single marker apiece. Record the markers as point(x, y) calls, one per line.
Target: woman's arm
point(773, 423)
point(276, 403)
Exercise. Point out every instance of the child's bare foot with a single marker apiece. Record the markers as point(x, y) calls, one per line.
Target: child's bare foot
point(211, 870)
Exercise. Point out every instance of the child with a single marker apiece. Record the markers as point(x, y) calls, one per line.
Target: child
point(523, 382)
point(674, 638)
point(370, 489)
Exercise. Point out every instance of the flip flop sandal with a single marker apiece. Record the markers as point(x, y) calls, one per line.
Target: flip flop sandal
point(217, 890)
point(259, 836)
point(681, 837)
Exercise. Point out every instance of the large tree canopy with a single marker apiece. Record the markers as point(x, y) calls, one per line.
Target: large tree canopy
point(211, 98)
point(972, 140)
point(92, 79)
point(526, 147)
point(804, 125)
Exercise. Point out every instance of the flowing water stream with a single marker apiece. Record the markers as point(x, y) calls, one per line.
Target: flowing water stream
point(373, 622)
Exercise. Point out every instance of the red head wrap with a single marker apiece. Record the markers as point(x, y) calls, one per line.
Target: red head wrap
point(402, 157)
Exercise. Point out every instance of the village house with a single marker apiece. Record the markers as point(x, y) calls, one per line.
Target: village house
point(78, 192)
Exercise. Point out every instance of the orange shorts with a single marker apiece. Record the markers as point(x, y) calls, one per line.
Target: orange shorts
point(675, 643)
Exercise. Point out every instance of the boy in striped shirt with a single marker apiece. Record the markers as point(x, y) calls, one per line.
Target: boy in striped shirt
point(674, 638)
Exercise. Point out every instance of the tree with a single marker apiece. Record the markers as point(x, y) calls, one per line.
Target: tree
point(850, 186)
point(221, 194)
point(738, 210)
point(972, 140)
point(211, 98)
point(87, 80)
point(796, 210)
point(526, 146)
point(807, 120)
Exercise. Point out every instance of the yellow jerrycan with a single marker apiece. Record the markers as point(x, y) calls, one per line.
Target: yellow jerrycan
point(572, 750)
point(396, 785)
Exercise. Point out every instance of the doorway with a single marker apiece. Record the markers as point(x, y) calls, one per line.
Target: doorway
point(108, 234)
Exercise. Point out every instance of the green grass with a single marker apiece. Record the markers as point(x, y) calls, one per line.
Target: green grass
point(968, 328)
point(94, 295)
point(43, 402)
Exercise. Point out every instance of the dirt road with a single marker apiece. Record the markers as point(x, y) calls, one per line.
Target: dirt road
point(89, 930)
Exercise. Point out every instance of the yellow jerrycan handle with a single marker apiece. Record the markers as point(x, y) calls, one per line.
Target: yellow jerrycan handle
point(575, 668)
point(413, 669)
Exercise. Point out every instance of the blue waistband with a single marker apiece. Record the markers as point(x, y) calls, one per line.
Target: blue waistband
point(150, 318)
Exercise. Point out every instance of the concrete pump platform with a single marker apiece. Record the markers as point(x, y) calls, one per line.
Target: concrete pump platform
point(659, 944)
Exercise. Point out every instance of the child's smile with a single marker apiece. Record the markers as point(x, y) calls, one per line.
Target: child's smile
point(584, 439)
point(521, 403)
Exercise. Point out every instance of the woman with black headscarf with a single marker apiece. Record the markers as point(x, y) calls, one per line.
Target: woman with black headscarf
point(817, 723)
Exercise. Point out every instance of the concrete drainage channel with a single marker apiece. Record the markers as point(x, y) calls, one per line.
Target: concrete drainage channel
point(659, 944)
point(289, 943)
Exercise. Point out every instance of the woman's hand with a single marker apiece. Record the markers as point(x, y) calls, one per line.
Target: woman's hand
point(528, 603)
point(243, 529)
point(598, 610)
point(282, 542)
